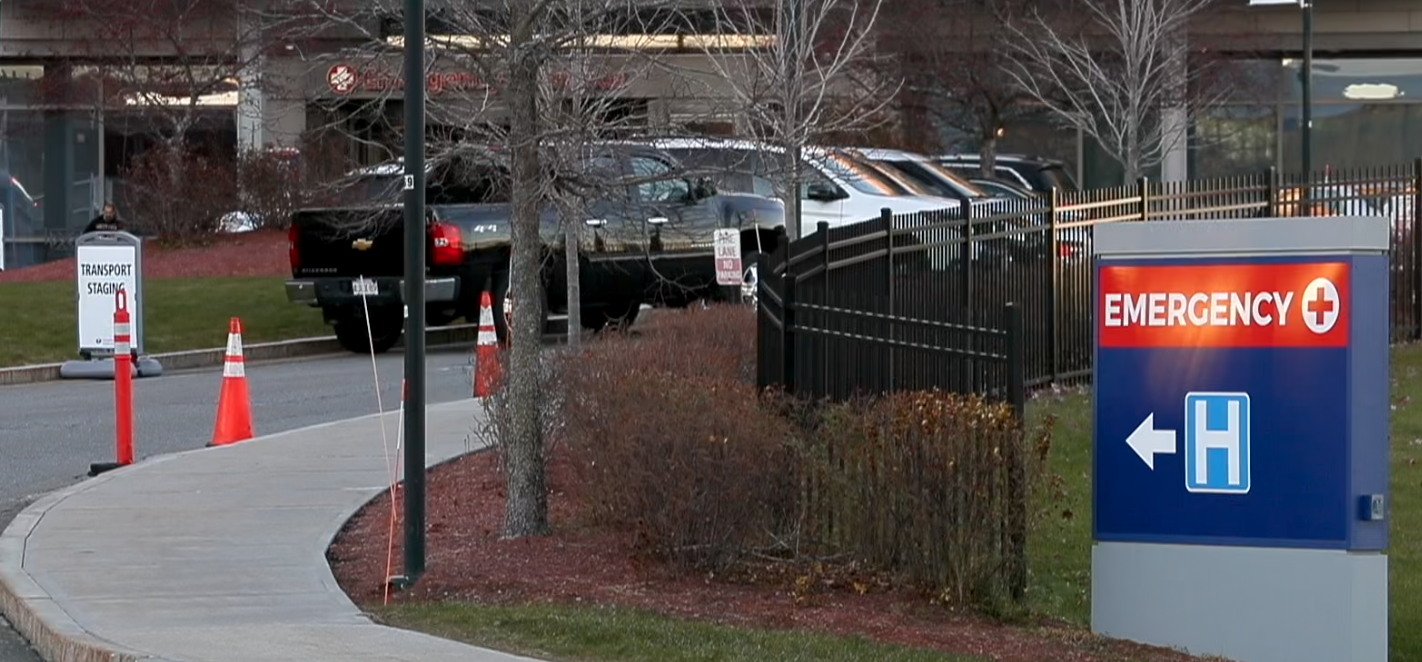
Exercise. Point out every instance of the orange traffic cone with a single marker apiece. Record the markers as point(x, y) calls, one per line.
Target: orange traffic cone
point(234, 405)
point(487, 372)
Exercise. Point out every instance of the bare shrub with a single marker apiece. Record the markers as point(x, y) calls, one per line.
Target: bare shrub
point(493, 428)
point(178, 193)
point(276, 182)
point(670, 442)
point(932, 487)
point(672, 446)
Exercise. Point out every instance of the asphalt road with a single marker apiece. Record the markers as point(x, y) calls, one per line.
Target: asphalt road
point(50, 432)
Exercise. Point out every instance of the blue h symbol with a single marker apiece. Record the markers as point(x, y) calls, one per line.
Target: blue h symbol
point(1217, 442)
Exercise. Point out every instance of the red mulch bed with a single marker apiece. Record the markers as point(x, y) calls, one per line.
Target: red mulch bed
point(466, 561)
point(259, 253)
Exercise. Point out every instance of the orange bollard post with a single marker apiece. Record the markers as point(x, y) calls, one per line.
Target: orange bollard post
point(123, 388)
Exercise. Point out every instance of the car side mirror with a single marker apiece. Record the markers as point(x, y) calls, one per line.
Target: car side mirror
point(823, 192)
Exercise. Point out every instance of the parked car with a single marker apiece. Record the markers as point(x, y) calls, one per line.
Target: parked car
point(926, 172)
point(1031, 172)
point(1004, 189)
point(837, 186)
point(647, 227)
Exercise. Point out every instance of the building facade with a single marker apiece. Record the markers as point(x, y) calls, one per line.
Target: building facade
point(67, 130)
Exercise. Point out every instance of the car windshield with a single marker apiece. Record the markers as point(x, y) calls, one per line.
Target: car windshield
point(1004, 189)
point(472, 184)
point(861, 176)
point(1057, 177)
point(941, 180)
point(371, 188)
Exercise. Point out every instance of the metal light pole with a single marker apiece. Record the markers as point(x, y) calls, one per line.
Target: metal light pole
point(1307, 84)
point(1306, 103)
point(414, 552)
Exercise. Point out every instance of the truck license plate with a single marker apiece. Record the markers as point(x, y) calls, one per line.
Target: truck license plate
point(364, 287)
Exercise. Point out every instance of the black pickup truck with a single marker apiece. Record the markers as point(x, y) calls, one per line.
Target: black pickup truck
point(646, 238)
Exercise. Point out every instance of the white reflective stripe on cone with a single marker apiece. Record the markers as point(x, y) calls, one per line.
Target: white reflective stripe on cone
point(488, 337)
point(234, 369)
point(122, 329)
point(234, 344)
point(486, 317)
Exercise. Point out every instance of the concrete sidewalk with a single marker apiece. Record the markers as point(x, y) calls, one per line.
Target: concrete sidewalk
point(217, 554)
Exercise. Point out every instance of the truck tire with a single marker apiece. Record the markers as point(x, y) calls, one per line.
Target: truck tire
point(749, 294)
point(384, 333)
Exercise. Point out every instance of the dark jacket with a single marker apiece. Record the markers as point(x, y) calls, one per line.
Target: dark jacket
point(99, 224)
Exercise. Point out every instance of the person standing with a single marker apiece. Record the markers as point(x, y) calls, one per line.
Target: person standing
point(106, 221)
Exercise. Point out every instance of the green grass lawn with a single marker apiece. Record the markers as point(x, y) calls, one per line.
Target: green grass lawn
point(1060, 562)
point(598, 634)
point(40, 320)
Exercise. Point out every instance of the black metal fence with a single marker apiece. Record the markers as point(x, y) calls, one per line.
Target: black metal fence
point(997, 297)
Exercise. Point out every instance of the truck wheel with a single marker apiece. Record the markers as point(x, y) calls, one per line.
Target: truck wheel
point(750, 278)
point(384, 333)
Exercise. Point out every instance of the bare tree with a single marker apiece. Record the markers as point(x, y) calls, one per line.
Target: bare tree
point(539, 84)
point(804, 82)
point(950, 56)
point(1125, 78)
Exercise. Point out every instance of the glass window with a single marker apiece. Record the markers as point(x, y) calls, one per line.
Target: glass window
point(941, 181)
point(858, 175)
point(1249, 82)
point(1232, 141)
point(666, 187)
point(1356, 79)
point(20, 83)
point(1058, 178)
point(1355, 135)
point(1003, 190)
point(51, 182)
point(762, 186)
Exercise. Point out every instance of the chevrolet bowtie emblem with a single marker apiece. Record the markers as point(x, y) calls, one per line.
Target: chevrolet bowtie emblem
point(362, 244)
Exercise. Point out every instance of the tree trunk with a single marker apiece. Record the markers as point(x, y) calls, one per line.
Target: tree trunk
point(1132, 162)
point(526, 511)
point(793, 221)
point(987, 153)
point(572, 233)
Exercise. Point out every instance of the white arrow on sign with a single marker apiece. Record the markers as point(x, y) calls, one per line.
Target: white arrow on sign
point(1148, 442)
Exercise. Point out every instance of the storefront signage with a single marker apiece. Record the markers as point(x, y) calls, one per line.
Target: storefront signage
point(344, 79)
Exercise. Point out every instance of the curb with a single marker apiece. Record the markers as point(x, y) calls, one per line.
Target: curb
point(44, 624)
point(267, 351)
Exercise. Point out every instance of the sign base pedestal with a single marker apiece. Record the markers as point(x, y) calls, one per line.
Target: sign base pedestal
point(1252, 604)
point(103, 368)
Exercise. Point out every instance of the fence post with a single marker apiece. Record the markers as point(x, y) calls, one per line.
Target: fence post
point(822, 318)
point(966, 258)
point(1142, 187)
point(1272, 192)
point(1054, 285)
point(787, 330)
point(1016, 520)
point(1415, 259)
point(887, 216)
point(1016, 361)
